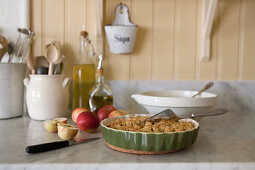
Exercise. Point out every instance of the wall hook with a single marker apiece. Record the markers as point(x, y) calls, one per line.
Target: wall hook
point(208, 13)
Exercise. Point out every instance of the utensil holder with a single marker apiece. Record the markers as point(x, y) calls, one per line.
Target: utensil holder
point(121, 34)
point(47, 96)
point(11, 89)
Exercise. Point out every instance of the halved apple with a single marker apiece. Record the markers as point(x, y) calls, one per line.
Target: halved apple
point(51, 125)
point(67, 131)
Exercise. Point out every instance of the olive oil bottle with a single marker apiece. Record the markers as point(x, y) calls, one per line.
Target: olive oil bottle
point(100, 94)
point(83, 73)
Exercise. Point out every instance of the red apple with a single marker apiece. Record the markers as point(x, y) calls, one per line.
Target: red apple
point(76, 113)
point(87, 121)
point(104, 111)
point(117, 113)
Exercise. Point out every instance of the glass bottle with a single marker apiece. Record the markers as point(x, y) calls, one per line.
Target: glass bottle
point(83, 73)
point(100, 94)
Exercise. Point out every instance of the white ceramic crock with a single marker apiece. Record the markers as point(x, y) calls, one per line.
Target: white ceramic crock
point(11, 89)
point(47, 96)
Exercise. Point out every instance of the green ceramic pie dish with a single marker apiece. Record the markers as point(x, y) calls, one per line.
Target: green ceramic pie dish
point(148, 143)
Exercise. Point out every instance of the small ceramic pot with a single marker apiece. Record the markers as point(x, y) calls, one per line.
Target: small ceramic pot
point(47, 96)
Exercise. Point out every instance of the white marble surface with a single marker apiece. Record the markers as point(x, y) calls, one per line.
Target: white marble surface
point(224, 142)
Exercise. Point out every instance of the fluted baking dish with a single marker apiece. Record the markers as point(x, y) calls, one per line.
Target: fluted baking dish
point(148, 143)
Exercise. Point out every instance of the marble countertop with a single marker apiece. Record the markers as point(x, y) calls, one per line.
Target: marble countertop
point(224, 142)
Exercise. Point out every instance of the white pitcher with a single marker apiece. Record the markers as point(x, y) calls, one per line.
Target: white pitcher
point(47, 96)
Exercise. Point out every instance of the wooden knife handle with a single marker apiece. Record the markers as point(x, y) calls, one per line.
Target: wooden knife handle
point(47, 146)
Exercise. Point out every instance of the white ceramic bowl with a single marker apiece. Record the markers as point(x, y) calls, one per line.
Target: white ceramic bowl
point(179, 101)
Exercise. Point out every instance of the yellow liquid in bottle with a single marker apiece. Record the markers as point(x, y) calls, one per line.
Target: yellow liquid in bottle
point(100, 101)
point(83, 81)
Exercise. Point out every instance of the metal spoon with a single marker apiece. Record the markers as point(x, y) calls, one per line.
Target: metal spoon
point(168, 113)
point(207, 86)
point(53, 55)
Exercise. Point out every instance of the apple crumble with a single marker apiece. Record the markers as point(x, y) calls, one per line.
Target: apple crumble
point(151, 126)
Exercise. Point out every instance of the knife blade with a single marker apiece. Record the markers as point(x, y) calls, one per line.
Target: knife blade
point(56, 145)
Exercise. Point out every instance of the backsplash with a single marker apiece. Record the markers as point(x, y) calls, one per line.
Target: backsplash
point(168, 43)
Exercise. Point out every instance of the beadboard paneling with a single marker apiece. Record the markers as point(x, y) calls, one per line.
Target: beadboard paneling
point(141, 59)
point(168, 44)
point(247, 40)
point(163, 31)
point(185, 39)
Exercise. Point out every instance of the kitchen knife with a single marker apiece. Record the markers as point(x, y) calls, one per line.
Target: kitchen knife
point(56, 145)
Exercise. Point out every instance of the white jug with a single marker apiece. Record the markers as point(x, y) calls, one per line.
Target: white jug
point(47, 96)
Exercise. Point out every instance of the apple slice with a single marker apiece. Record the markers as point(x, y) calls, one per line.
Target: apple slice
point(51, 125)
point(67, 131)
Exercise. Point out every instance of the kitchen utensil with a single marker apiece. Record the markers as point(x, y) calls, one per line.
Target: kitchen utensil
point(56, 145)
point(31, 63)
point(53, 55)
point(3, 46)
point(11, 89)
point(42, 70)
point(42, 61)
point(145, 142)
point(121, 34)
point(59, 67)
point(207, 86)
point(179, 101)
point(47, 96)
point(22, 45)
point(10, 48)
point(168, 113)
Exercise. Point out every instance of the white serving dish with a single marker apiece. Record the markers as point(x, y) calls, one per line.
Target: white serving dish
point(179, 101)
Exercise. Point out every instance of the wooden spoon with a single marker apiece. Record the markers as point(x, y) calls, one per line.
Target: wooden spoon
point(53, 55)
point(31, 63)
point(3, 46)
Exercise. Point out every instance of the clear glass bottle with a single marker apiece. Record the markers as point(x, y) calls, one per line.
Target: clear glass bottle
point(100, 94)
point(83, 73)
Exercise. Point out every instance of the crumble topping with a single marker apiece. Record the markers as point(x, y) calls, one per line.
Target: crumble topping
point(151, 126)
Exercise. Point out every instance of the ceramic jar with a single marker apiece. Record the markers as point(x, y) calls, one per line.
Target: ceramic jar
point(47, 96)
point(11, 89)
